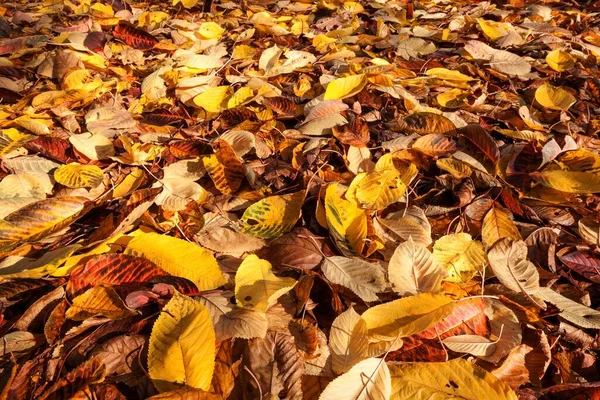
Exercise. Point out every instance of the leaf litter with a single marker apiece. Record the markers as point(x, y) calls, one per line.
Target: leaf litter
point(299, 199)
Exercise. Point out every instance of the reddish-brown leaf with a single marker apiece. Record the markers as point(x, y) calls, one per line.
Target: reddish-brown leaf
point(8, 96)
point(9, 46)
point(356, 133)
point(136, 38)
point(189, 148)
point(482, 140)
point(112, 269)
point(95, 41)
point(281, 105)
point(585, 263)
point(235, 116)
point(163, 117)
point(91, 371)
point(55, 321)
point(52, 147)
point(297, 249)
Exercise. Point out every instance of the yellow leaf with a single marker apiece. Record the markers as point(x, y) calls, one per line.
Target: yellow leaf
point(35, 125)
point(152, 18)
point(214, 99)
point(345, 87)
point(569, 181)
point(406, 316)
point(454, 379)
point(179, 258)
point(554, 98)
point(256, 286)
point(272, 216)
point(210, 30)
point(11, 139)
point(240, 97)
point(186, 3)
point(447, 74)
point(454, 98)
point(559, 60)
point(181, 351)
point(378, 189)
point(494, 30)
point(76, 79)
point(497, 224)
point(242, 52)
point(347, 223)
point(460, 255)
point(77, 176)
point(131, 182)
point(100, 10)
point(98, 300)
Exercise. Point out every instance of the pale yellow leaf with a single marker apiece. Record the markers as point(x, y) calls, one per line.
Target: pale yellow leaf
point(367, 380)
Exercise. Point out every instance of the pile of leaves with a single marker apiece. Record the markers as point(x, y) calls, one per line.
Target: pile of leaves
point(299, 199)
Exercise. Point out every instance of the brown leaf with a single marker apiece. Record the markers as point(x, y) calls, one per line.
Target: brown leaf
point(90, 372)
point(276, 364)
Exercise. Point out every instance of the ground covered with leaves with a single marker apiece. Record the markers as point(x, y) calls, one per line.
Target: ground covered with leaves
point(299, 199)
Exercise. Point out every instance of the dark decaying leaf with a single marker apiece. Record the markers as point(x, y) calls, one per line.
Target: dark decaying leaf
point(585, 263)
point(482, 140)
point(136, 38)
point(8, 96)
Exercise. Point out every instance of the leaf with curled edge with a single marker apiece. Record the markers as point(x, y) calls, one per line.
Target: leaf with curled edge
point(413, 269)
point(298, 248)
point(276, 365)
point(136, 38)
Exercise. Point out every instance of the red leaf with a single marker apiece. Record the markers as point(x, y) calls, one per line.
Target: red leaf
point(134, 37)
point(113, 269)
point(52, 147)
point(189, 148)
